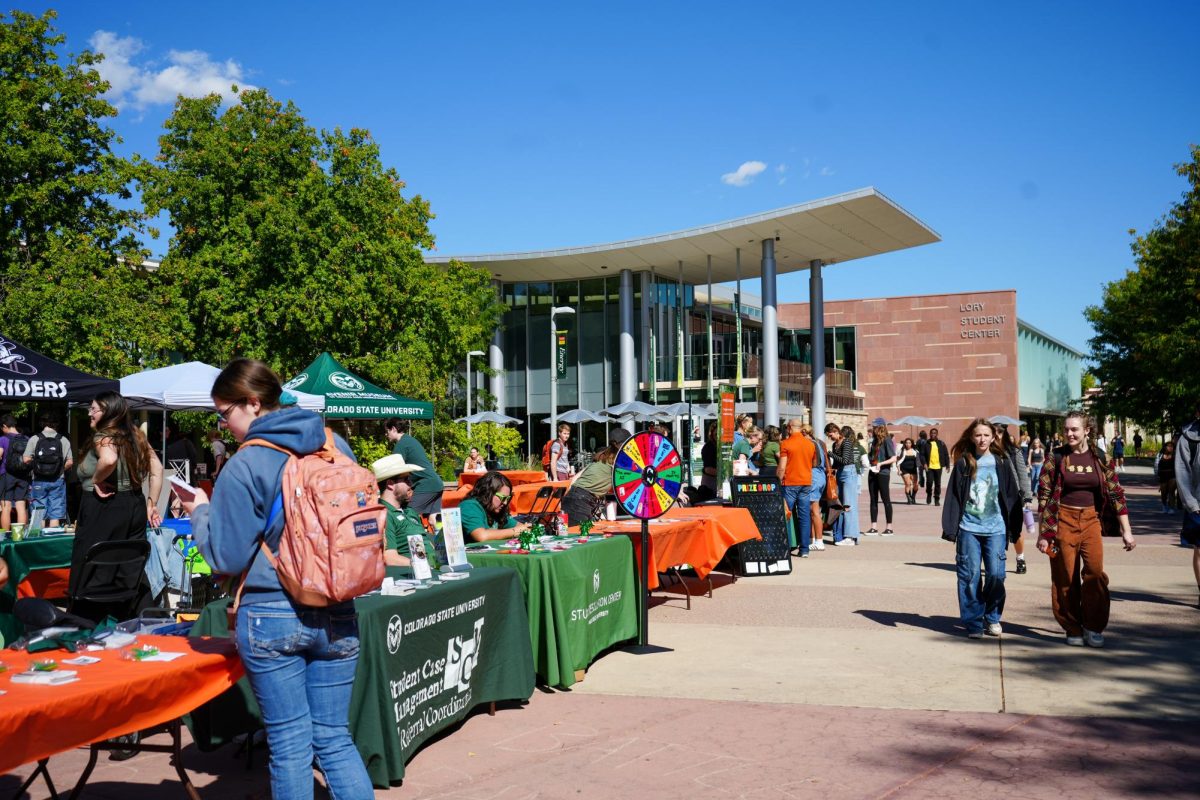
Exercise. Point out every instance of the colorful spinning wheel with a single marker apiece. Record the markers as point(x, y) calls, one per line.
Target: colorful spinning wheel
point(647, 475)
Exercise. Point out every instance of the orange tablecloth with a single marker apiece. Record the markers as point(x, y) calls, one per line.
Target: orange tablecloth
point(523, 496)
point(111, 698)
point(696, 536)
point(517, 477)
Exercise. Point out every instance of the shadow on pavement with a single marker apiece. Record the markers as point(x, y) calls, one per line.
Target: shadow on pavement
point(949, 625)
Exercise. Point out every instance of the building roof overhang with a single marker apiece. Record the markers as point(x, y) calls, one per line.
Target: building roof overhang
point(834, 229)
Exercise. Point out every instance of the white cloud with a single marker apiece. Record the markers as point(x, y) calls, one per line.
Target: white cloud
point(780, 174)
point(190, 73)
point(745, 174)
point(826, 171)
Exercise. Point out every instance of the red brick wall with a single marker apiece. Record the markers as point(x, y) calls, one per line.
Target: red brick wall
point(951, 357)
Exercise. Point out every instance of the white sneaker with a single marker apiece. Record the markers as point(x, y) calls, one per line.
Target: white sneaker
point(1092, 638)
point(1075, 641)
point(819, 544)
point(846, 543)
point(994, 629)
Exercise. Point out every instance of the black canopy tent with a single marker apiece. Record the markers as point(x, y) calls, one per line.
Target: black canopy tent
point(28, 376)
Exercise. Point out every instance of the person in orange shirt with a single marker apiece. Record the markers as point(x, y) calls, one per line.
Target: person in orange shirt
point(796, 455)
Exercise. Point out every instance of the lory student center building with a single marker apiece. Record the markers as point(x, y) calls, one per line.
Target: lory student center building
point(672, 317)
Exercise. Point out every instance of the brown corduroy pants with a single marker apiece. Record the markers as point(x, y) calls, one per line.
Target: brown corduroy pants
point(1079, 587)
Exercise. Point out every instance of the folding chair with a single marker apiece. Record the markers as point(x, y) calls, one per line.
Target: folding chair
point(111, 574)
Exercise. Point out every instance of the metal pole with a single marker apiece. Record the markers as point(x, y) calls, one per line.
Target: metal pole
point(816, 324)
point(737, 326)
point(468, 398)
point(770, 336)
point(496, 359)
point(553, 379)
point(708, 323)
point(628, 374)
point(643, 589)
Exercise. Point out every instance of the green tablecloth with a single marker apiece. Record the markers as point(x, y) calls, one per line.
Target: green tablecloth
point(581, 601)
point(425, 660)
point(24, 557)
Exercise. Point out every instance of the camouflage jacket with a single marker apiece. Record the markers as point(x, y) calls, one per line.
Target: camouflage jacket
point(1111, 501)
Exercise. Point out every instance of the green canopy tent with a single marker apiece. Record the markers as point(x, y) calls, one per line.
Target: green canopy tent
point(347, 396)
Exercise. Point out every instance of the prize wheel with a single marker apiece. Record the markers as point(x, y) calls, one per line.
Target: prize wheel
point(647, 475)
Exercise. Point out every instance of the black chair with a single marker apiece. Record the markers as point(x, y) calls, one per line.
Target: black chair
point(111, 577)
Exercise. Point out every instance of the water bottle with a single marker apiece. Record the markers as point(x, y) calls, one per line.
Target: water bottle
point(1030, 524)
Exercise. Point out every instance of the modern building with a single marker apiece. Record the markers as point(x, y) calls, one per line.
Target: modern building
point(644, 319)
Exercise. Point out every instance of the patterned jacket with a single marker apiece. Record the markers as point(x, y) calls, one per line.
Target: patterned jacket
point(1050, 491)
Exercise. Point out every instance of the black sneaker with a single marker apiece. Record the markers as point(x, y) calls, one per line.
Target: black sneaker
point(1021, 568)
point(937, 502)
point(928, 499)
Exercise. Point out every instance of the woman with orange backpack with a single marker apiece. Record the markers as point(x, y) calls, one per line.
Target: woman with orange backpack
point(300, 659)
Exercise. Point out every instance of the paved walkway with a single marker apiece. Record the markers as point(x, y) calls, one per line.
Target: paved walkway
point(849, 678)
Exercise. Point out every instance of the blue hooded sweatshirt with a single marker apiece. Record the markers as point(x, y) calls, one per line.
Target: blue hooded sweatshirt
point(228, 529)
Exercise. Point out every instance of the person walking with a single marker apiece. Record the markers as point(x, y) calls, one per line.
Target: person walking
point(983, 507)
point(1118, 452)
point(909, 462)
point(1164, 469)
point(937, 461)
point(845, 461)
point(1187, 485)
point(560, 455)
point(796, 456)
point(1137, 444)
point(300, 660)
point(922, 447)
point(1021, 474)
point(881, 454)
point(1078, 490)
point(1037, 457)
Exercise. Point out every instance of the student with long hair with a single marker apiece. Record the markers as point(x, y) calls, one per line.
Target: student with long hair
point(909, 462)
point(982, 508)
point(485, 511)
point(300, 660)
point(1078, 489)
point(882, 455)
point(845, 462)
point(116, 461)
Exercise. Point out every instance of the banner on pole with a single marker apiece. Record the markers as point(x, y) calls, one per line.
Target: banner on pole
point(560, 354)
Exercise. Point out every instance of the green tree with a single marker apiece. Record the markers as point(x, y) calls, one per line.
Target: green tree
point(1148, 324)
point(71, 280)
point(289, 242)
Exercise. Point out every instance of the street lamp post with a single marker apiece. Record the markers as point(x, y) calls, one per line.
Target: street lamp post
point(554, 311)
point(472, 353)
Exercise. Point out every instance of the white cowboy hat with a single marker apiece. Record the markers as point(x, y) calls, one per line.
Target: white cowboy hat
point(393, 465)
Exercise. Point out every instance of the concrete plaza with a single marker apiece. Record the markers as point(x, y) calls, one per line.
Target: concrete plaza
point(849, 678)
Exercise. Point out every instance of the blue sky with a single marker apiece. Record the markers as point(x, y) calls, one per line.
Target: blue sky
point(1031, 136)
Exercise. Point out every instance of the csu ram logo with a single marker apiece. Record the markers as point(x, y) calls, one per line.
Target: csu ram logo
point(345, 381)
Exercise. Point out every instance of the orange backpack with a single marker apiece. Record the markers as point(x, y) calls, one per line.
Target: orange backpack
point(546, 454)
point(331, 550)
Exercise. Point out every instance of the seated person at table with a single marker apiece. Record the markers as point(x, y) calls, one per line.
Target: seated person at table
point(474, 462)
point(395, 490)
point(485, 511)
point(585, 499)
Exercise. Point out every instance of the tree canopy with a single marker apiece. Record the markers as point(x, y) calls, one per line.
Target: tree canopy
point(289, 242)
point(1148, 324)
point(70, 278)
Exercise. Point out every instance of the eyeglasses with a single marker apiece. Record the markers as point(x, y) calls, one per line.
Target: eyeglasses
point(503, 498)
point(223, 414)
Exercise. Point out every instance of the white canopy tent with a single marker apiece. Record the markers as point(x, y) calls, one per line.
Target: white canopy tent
point(187, 387)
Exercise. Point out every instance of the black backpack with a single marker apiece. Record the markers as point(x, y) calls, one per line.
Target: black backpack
point(48, 458)
point(14, 455)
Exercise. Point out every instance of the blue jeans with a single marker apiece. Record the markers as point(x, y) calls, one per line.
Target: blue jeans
point(980, 602)
point(52, 496)
point(846, 526)
point(799, 500)
point(300, 662)
point(1036, 475)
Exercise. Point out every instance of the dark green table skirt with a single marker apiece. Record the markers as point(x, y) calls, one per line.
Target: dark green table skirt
point(24, 557)
point(425, 660)
point(581, 602)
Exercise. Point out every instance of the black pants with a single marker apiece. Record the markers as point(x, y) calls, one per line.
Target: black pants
point(877, 487)
point(933, 484)
point(581, 505)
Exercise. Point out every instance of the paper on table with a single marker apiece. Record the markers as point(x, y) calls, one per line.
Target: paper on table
point(81, 661)
point(161, 656)
point(46, 678)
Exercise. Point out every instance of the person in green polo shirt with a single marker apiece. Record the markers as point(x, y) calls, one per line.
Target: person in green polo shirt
point(485, 511)
point(394, 476)
point(426, 485)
